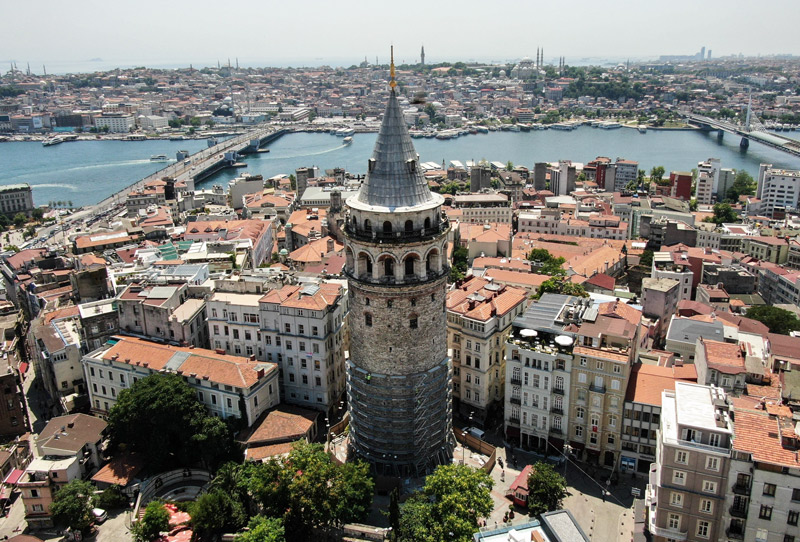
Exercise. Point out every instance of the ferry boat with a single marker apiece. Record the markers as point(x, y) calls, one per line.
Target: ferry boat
point(159, 158)
point(345, 132)
point(55, 140)
point(347, 140)
point(416, 134)
point(514, 128)
point(482, 129)
point(642, 128)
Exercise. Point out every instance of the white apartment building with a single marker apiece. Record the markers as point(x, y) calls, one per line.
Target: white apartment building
point(234, 324)
point(479, 316)
point(625, 172)
point(705, 188)
point(304, 331)
point(778, 189)
point(224, 384)
point(537, 401)
point(596, 227)
point(664, 267)
point(116, 123)
point(712, 169)
point(483, 208)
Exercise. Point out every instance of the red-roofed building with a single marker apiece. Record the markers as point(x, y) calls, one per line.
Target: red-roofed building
point(721, 364)
point(643, 412)
point(479, 317)
point(224, 383)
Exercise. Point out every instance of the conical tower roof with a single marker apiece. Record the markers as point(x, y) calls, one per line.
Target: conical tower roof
point(394, 178)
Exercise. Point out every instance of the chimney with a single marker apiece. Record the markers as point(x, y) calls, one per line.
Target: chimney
point(260, 373)
point(330, 245)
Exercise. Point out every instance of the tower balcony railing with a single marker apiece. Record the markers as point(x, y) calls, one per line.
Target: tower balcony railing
point(392, 280)
point(376, 236)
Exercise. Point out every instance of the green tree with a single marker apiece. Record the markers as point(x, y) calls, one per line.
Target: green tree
point(561, 285)
point(743, 185)
point(160, 417)
point(216, 512)
point(195, 122)
point(37, 214)
point(112, 497)
point(263, 529)
point(72, 505)
point(460, 264)
point(293, 181)
point(394, 512)
point(546, 489)
point(454, 498)
point(20, 219)
point(656, 174)
point(776, 319)
point(154, 522)
point(646, 259)
point(509, 166)
point(547, 264)
point(723, 213)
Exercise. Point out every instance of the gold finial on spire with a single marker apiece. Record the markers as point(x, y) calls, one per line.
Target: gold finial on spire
point(392, 82)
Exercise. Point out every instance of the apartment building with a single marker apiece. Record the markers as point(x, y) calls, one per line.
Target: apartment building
point(688, 482)
point(607, 343)
point(778, 189)
point(234, 324)
point(720, 364)
point(55, 345)
point(708, 175)
point(763, 491)
point(483, 208)
point(163, 312)
point(625, 171)
point(304, 330)
point(228, 386)
point(538, 365)
point(479, 317)
point(16, 198)
point(642, 416)
point(674, 265)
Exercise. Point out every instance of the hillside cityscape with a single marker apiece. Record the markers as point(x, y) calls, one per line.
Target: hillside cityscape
point(229, 340)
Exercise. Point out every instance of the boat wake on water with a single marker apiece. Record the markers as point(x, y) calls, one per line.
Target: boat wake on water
point(277, 157)
point(55, 185)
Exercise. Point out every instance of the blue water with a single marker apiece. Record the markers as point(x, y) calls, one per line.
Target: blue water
point(675, 150)
point(85, 172)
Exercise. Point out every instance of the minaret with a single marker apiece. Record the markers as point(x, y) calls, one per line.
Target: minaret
point(399, 377)
point(422, 56)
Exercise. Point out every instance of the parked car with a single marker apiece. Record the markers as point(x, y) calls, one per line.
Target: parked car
point(99, 515)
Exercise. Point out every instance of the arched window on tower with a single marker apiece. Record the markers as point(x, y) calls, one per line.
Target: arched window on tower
point(367, 319)
point(428, 223)
point(409, 226)
point(409, 264)
point(387, 227)
point(388, 267)
point(367, 225)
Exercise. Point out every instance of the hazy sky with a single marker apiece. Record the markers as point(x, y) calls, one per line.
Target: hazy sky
point(305, 32)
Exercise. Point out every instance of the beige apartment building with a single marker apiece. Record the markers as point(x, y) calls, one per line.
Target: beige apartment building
point(479, 317)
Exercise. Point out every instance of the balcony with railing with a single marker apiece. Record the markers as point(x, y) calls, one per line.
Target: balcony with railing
point(738, 511)
point(555, 430)
point(597, 388)
point(558, 391)
point(514, 419)
point(741, 489)
point(515, 401)
point(735, 533)
point(516, 381)
point(375, 236)
point(557, 410)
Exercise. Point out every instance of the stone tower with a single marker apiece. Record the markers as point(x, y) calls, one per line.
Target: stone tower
point(399, 378)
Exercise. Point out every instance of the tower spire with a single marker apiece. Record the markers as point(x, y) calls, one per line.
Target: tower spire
point(392, 82)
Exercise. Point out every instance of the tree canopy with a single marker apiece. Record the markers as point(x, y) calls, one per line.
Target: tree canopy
point(546, 489)
point(160, 417)
point(307, 491)
point(263, 529)
point(561, 285)
point(452, 501)
point(154, 521)
point(72, 505)
point(460, 264)
point(743, 185)
point(547, 263)
point(776, 319)
point(723, 213)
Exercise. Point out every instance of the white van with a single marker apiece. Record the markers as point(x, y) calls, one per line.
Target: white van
point(475, 432)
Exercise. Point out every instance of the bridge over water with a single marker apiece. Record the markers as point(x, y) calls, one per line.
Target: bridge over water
point(751, 129)
point(203, 163)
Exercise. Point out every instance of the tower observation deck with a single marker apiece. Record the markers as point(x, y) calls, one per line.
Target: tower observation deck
point(399, 377)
